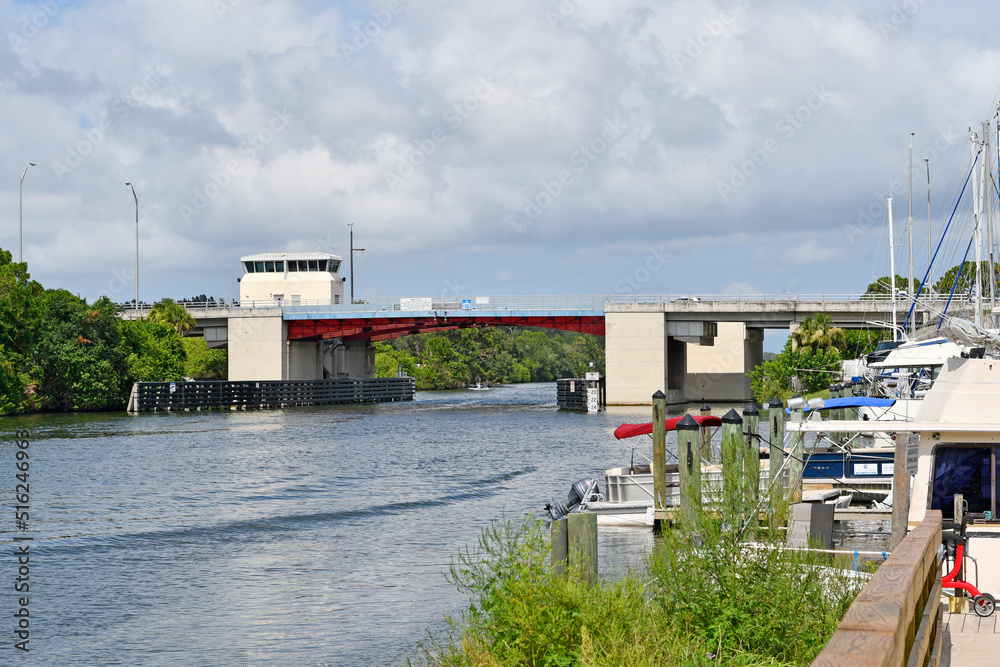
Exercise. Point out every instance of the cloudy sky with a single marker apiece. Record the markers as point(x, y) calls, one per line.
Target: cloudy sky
point(546, 147)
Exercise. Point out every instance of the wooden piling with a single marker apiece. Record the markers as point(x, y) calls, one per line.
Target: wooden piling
point(689, 467)
point(706, 436)
point(847, 391)
point(776, 414)
point(796, 459)
point(582, 545)
point(836, 415)
point(733, 494)
point(751, 454)
point(573, 541)
point(659, 458)
point(900, 491)
point(559, 540)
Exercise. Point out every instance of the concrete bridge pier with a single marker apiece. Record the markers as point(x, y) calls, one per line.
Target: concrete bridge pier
point(259, 349)
point(719, 372)
point(645, 358)
point(354, 359)
point(687, 359)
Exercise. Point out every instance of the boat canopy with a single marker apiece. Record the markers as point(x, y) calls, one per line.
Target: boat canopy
point(847, 402)
point(632, 430)
point(920, 354)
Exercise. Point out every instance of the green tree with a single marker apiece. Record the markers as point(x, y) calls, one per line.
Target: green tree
point(173, 314)
point(443, 367)
point(966, 283)
point(19, 307)
point(881, 286)
point(389, 360)
point(154, 351)
point(78, 361)
point(204, 363)
point(12, 385)
point(818, 333)
point(814, 368)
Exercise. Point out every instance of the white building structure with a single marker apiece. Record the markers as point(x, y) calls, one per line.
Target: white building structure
point(292, 278)
point(259, 348)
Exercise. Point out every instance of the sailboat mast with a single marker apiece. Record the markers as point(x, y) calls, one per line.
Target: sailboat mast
point(930, 242)
point(892, 264)
point(909, 239)
point(987, 206)
point(978, 234)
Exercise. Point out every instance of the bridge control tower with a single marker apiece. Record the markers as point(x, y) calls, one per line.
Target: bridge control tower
point(259, 346)
point(291, 278)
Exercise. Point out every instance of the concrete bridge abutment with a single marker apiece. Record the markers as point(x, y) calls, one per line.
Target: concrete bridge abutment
point(259, 349)
point(689, 360)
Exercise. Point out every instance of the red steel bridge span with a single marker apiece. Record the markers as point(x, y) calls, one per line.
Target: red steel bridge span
point(382, 319)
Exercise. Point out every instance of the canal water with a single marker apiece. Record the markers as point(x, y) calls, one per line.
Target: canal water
point(308, 536)
point(301, 536)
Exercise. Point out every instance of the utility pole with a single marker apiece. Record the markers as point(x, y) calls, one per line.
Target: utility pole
point(353, 250)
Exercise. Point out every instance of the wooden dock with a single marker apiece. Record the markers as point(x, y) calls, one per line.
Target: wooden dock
point(970, 641)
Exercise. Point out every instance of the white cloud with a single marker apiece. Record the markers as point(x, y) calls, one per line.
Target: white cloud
point(704, 96)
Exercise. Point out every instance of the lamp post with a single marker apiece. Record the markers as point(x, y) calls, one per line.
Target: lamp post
point(20, 214)
point(353, 250)
point(134, 196)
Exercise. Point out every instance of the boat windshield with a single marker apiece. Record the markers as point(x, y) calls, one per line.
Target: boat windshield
point(971, 470)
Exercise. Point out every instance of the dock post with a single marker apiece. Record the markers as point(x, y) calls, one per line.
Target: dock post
point(836, 415)
point(796, 459)
point(689, 467)
point(847, 391)
point(776, 413)
point(659, 460)
point(733, 494)
point(900, 491)
point(706, 436)
point(133, 399)
point(582, 546)
point(751, 455)
point(559, 539)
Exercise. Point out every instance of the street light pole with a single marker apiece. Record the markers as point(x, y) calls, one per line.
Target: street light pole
point(353, 250)
point(134, 196)
point(20, 215)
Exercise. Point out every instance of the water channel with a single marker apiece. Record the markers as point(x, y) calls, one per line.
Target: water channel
point(308, 536)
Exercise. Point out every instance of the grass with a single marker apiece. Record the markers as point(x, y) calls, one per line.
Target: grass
point(704, 601)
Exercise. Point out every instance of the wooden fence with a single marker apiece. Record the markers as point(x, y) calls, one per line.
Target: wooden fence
point(262, 394)
point(896, 619)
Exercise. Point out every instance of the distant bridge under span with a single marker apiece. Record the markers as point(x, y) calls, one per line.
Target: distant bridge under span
point(692, 347)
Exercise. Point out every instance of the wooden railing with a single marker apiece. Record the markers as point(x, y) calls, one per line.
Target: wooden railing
point(896, 619)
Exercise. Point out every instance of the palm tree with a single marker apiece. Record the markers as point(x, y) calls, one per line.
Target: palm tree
point(817, 331)
point(172, 313)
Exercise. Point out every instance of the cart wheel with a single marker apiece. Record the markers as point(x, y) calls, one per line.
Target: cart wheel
point(984, 604)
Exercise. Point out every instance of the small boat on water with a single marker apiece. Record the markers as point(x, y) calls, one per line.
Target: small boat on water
point(627, 499)
point(481, 386)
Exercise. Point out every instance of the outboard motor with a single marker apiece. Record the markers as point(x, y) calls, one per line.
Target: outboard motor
point(584, 490)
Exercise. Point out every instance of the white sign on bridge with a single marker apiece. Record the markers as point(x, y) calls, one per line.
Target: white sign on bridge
point(415, 303)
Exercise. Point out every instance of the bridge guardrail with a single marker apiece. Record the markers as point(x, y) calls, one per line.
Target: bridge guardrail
point(543, 302)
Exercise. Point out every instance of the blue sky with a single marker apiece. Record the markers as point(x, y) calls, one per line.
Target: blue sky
point(548, 147)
